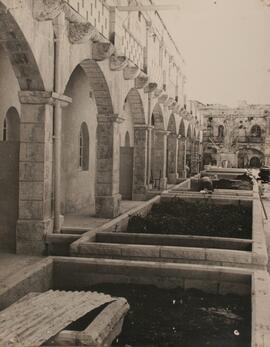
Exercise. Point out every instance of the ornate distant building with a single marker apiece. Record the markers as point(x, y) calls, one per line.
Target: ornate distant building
point(236, 137)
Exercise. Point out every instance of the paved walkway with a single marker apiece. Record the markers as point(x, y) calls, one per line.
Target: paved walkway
point(88, 222)
point(11, 264)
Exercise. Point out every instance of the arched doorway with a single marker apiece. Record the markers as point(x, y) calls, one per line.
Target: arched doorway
point(133, 148)
point(255, 162)
point(158, 149)
point(242, 158)
point(189, 147)
point(78, 148)
point(9, 183)
point(172, 149)
point(182, 150)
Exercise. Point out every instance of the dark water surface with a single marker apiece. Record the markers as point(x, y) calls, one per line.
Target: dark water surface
point(181, 318)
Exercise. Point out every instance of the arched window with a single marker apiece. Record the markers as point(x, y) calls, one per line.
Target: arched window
point(127, 139)
point(221, 131)
point(5, 130)
point(84, 147)
point(256, 131)
point(11, 126)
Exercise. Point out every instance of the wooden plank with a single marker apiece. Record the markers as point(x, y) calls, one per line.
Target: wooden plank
point(36, 318)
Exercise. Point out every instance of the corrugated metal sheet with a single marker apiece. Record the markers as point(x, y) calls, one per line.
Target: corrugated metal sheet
point(36, 318)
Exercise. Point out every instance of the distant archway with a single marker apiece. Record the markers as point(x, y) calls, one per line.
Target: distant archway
point(172, 149)
point(132, 177)
point(255, 162)
point(256, 131)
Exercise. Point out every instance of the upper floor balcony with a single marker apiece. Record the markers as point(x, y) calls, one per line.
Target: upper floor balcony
point(94, 11)
point(142, 38)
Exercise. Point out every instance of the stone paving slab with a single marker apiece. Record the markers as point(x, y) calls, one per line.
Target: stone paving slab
point(89, 222)
point(11, 264)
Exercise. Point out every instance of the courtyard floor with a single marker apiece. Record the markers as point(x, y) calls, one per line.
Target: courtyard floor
point(87, 222)
point(11, 264)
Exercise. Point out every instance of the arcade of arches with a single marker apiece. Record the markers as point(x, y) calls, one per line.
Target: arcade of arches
point(104, 156)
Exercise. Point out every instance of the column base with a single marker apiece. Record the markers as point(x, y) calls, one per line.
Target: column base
point(172, 178)
point(30, 236)
point(108, 206)
point(163, 183)
point(139, 193)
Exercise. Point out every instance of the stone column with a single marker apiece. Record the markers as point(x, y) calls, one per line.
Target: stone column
point(172, 158)
point(36, 165)
point(107, 166)
point(267, 142)
point(188, 153)
point(141, 133)
point(160, 157)
point(182, 157)
point(194, 160)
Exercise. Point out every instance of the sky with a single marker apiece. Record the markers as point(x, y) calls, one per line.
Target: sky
point(226, 46)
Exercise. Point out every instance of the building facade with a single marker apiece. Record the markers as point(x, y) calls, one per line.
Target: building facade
point(236, 137)
point(92, 111)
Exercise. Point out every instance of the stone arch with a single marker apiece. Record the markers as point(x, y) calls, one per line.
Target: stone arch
point(11, 129)
point(99, 86)
point(78, 173)
point(189, 132)
point(133, 159)
point(19, 52)
point(157, 117)
point(182, 128)
point(172, 124)
point(107, 197)
point(255, 162)
point(136, 105)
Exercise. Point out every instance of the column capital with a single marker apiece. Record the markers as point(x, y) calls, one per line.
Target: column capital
point(109, 118)
point(43, 98)
point(141, 80)
point(118, 62)
point(150, 87)
point(131, 72)
point(143, 127)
